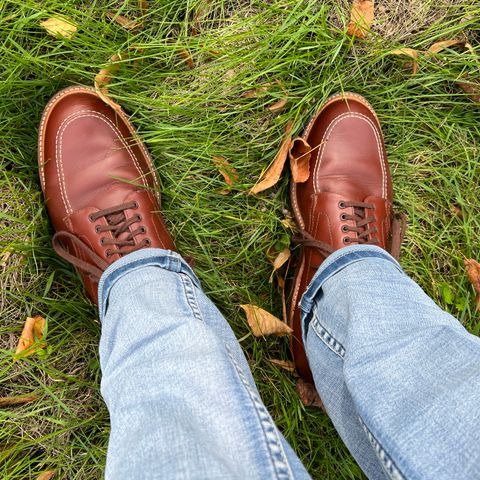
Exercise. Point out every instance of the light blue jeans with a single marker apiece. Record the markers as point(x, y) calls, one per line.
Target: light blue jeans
point(399, 377)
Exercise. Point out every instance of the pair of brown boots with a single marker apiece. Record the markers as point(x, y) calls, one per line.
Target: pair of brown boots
point(102, 193)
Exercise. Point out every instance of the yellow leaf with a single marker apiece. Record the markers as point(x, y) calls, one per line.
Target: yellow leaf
point(32, 332)
point(263, 323)
point(361, 18)
point(300, 154)
point(285, 364)
point(439, 46)
point(278, 105)
point(409, 52)
point(46, 475)
point(9, 401)
point(227, 171)
point(62, 27)
point(272, 175)
point(104, 77)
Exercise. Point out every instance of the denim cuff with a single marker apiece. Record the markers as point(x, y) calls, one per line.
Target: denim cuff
point(158, 257)
point(332, 265)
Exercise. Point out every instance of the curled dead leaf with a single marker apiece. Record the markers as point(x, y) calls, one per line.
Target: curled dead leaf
point(46, 475)
point(124, 21)
point(272, 175)
point(456, 210)
point(11, 401)
point(60, 27)
point(285, 364)
point(473, 272)
point(362, 16)
point(226, 170)
point(104, 77)
point(279, 260)
point(308, 394)
point(472, 89)
point(31, 338)
point(185, 54)
point(409, 52)
point(263, 323)
point(300, 154)
point(278, 105)
point(439, 46)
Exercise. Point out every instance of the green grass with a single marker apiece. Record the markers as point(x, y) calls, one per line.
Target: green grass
point(186, 117)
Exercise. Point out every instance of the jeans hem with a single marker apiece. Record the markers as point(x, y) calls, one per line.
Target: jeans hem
point(331, 266)
point(166, 259)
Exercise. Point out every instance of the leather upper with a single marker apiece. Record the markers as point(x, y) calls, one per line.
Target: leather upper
point(90, 159)
point(344, 148)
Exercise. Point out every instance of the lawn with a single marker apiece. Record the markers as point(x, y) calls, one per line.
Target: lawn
point(293, 49)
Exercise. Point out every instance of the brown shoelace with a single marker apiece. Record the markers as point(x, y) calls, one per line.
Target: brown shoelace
point(117, 223)
point(362, 228)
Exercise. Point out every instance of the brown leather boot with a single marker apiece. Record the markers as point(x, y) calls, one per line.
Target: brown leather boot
point(346, 199)
point(99, 184)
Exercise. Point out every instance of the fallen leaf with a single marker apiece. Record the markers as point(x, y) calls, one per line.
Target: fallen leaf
point(308, 394)
point(60, 27)
point(473, 272)
point(456, 210)
point(439, 46)
point(263, 323)
point(4, 258)
point(472, 89)
point(300, 153)
point(285, 364)
point(185, 54)
point(409, 52)
point(280, 259)
point(272, 175)
point(361, 18)
point(143, 7)
point(32, 332)
point(278, 105)
point(46, 475)
point(10, 401)
point(227, 171)
point(124, 21)
point(104, 77)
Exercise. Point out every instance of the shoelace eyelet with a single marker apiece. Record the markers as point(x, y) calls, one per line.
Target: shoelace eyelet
point(90, 217)
point(343, 217)
point(341, 204)
point(135, 205)
point(139, 218)
point(344, 228)
point(148, 242)
point(102, 241)
point(346, 239)
point(108, 253)
point(97, 228)
point(143, 230)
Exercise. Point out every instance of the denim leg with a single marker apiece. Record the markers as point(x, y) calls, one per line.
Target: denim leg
point(181, 397)
point(399, 377)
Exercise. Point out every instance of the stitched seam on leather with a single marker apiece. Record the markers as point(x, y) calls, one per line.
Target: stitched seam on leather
point(49, 107)
point(326, 137)
point(59, 155)
point(278, 457)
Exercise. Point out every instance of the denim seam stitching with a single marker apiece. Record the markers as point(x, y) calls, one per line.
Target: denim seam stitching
point(388, 464)
point(328, 339)
point(278, 457)
point(190, 296)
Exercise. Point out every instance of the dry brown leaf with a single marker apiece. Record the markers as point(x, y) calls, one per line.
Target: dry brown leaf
point(278, 105)
point(143, 7)
point(280, 259)
point(227, 171)
point(124, 21)
point(10, 401)
point(285, 364)
point(60, 27)
point(272, 175)
point(32, 332)
point(308, 394)
point(46, 475)
point(300, 154)
point(409, 52)
point(361, 18)
point(439, 46)
point(104, 77)
point(472, 89)
point(456, 210)
point(185, 54)
point(4, 258)
point(263, 323)
point(473, 271)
